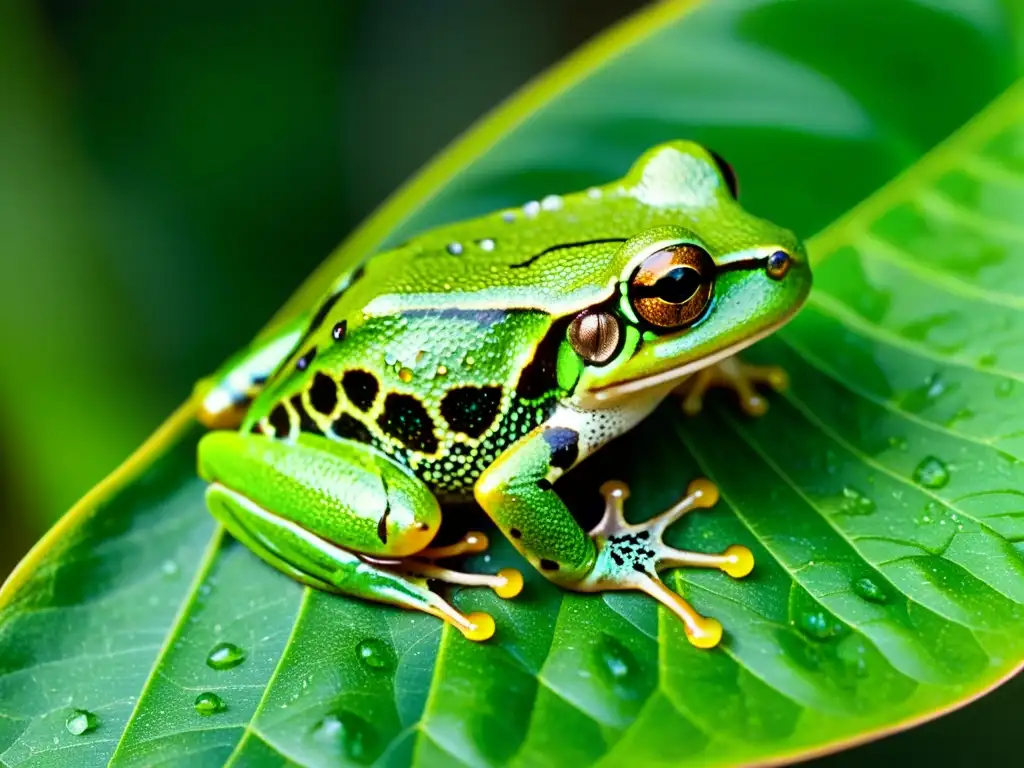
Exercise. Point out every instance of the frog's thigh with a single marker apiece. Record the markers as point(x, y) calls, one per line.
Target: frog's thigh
point(516, 492)
point(342, 493)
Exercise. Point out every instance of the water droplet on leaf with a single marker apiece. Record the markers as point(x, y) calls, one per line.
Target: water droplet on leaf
point(81, 721)
point(225, 656)
point(616, 665)
point(855, 503)
point(816, 624)
point(350, 734)
point(869, 590)
point(209, 704)
point(931, 473)
point(375, 654)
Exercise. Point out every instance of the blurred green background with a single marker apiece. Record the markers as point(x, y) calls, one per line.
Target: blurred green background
point(171, 171)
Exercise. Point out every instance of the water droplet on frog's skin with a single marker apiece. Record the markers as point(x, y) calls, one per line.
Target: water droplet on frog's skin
point(532, 208)
point(169, 568)
point(508, 217)
point(81, 721)
point(1004, 388)
point(869, 590)
point(225, 656)
point(551, 203)
point(454, 249)
point(350, 735)
point(390, 358)
point(616, 665)
point(931, 473)
point(594, 193)
point(375, 654)
point(855, 503)
point(209, 704)
point(487, 244)
point(815, 624)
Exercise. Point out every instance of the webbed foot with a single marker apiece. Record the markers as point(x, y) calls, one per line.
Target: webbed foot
point(732, 373)
point(630, 556)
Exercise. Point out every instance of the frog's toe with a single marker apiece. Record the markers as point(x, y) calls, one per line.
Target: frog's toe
point(630, 556)
point(742, 378)
point(506, 583)
point(471, 543)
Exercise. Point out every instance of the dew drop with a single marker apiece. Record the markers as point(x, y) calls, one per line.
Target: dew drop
point(594, 193)
point(508, 217)
point(375, 654)
point(225, 656)
point(532, 208)
point(855, 503)
point(81, 721)
point(442, 370)
point(931, 473)
point(209, 704)
point(454, 248)
point(487, 244)
point(865, 587)
point(169, 568)
point(898, 442)
point(551, 203)
point(348, 734)
point(616, 665)
point(815, 624)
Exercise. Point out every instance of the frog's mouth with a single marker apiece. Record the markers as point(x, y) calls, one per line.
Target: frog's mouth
point(604, 395)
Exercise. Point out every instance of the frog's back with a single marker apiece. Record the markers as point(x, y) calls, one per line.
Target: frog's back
point(442, 351)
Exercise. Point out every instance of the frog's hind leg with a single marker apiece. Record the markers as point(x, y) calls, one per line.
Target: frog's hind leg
point(630, 556)
point(320, 564)
point(732, 373)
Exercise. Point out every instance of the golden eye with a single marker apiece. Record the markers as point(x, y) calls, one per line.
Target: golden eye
point(595, 336)
point(673, 286)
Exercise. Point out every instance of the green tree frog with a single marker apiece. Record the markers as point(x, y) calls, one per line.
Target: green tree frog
point(485, 359)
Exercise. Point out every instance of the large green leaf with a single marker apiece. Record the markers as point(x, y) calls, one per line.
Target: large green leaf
point(881, 495)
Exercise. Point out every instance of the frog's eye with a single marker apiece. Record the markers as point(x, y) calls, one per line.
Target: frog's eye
point(673, 286)
point(728, 174)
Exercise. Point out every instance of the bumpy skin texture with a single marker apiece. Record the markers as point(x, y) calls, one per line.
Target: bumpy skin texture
point(451, 357)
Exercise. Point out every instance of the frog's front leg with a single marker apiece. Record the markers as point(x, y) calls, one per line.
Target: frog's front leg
point(341, 517)
point(516, 491)
point(732, 373)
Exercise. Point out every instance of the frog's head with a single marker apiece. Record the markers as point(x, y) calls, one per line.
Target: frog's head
point(689, 293)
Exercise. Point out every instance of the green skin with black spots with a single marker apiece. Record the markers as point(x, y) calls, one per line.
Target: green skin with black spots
point(463, 381)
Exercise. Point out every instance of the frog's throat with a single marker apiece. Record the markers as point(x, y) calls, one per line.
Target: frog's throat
point(605, 395)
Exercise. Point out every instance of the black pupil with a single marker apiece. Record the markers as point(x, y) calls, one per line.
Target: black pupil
point(677, 285)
